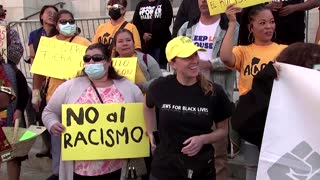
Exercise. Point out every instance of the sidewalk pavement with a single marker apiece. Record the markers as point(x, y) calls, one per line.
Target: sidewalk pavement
point(40, 168)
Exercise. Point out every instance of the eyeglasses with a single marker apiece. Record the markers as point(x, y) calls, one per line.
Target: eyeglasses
point(70, 21)
point(115, 6)
point(95, 58)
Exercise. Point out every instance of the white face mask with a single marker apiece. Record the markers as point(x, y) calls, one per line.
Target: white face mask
point(67, 29)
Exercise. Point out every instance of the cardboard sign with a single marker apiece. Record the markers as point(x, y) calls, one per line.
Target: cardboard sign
point(3, 43)
point(291, 147)
point(58, 59)
point(220, 6)
point(103, 131)
point(18, 148)
point(126, 67)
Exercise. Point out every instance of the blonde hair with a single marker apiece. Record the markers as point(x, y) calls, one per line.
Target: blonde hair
point(206, 86)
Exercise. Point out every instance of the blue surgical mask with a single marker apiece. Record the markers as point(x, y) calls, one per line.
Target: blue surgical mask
point(67, 29)
point(95, 71)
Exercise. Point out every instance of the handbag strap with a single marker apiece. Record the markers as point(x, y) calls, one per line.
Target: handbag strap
point(95, 89)
point(72, 38)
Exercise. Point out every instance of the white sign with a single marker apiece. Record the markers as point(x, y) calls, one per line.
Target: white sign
point(291, 145)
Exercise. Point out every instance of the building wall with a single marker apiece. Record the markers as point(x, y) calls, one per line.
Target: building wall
point(17, 9)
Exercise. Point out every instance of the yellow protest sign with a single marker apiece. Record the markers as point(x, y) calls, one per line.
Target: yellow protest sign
point(126, 67)
point(103, 131)
point(220, 6)
point(58, 59)
point(3, 43)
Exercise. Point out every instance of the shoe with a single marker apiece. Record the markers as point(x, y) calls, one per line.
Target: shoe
point(53, 177)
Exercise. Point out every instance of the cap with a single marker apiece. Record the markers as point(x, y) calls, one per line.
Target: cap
point(182, 47)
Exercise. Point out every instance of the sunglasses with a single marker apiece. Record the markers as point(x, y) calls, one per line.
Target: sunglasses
point(70, 21)
point(95, 58)
point(115, 6)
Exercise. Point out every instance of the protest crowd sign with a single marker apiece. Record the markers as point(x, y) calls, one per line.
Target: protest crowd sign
point(291, 147)
point(220, 6)
point(126, 67)
point(58, 59)
point(103, 131)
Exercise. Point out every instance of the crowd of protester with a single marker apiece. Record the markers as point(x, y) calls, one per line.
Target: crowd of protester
point(205, 52)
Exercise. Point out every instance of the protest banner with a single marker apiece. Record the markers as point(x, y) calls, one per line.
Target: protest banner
point(103, 131)
point(220, 6)
point(58, 59)
point(291, 147)
point(126, 67)
point(3, 43)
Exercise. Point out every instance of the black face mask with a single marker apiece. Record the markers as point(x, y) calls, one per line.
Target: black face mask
point(115, 14)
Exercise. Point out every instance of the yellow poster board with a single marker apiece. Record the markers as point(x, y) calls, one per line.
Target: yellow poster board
point(126, 67)
point(3, 43)
point(103, 131)
point(58, 59)
point(220, 6)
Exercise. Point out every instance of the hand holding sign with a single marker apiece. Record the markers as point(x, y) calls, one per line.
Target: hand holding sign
point(103, 131)
point(231, 12)
point(220, 6)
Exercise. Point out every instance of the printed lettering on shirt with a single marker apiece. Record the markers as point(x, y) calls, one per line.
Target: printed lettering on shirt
point(105, 39)
point(185, 109)
point(205, 42)
point(253, 68)
point(147, 12)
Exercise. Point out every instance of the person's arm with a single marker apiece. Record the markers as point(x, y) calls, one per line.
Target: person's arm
point(226, 54)
point(137, 21)
point(15, 48)
point(154, 72)
point(136, 37)
point(51, 116)
point(318, 31)
point(291, 8)
point(216, 64)
point(150, 121)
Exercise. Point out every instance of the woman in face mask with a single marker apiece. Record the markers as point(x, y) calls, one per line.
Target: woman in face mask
point(100, 84)
point(66, 26)
point(105, 32)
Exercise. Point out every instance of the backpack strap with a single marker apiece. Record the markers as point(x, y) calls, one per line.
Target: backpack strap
point(145, 59)
point(123, 25)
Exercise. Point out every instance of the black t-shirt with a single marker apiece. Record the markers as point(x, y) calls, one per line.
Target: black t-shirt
point(184, 111)
point(290, 28)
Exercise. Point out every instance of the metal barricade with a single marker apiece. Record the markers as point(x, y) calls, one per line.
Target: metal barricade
point(88, 27)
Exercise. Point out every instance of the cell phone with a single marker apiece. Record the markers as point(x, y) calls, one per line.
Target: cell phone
point(156, 137)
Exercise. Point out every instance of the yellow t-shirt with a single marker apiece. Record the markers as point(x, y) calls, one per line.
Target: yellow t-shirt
point(55, 83)
point(140, 78)
point(105, 33)
point(251, 59)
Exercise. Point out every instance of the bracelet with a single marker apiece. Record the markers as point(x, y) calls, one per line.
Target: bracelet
point(8, 90)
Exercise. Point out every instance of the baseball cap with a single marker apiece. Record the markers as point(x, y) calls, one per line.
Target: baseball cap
point(182, 47)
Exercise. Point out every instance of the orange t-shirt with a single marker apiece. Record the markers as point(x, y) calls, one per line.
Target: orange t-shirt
point(251, 59)
point(54, 83)
point(105, 33)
